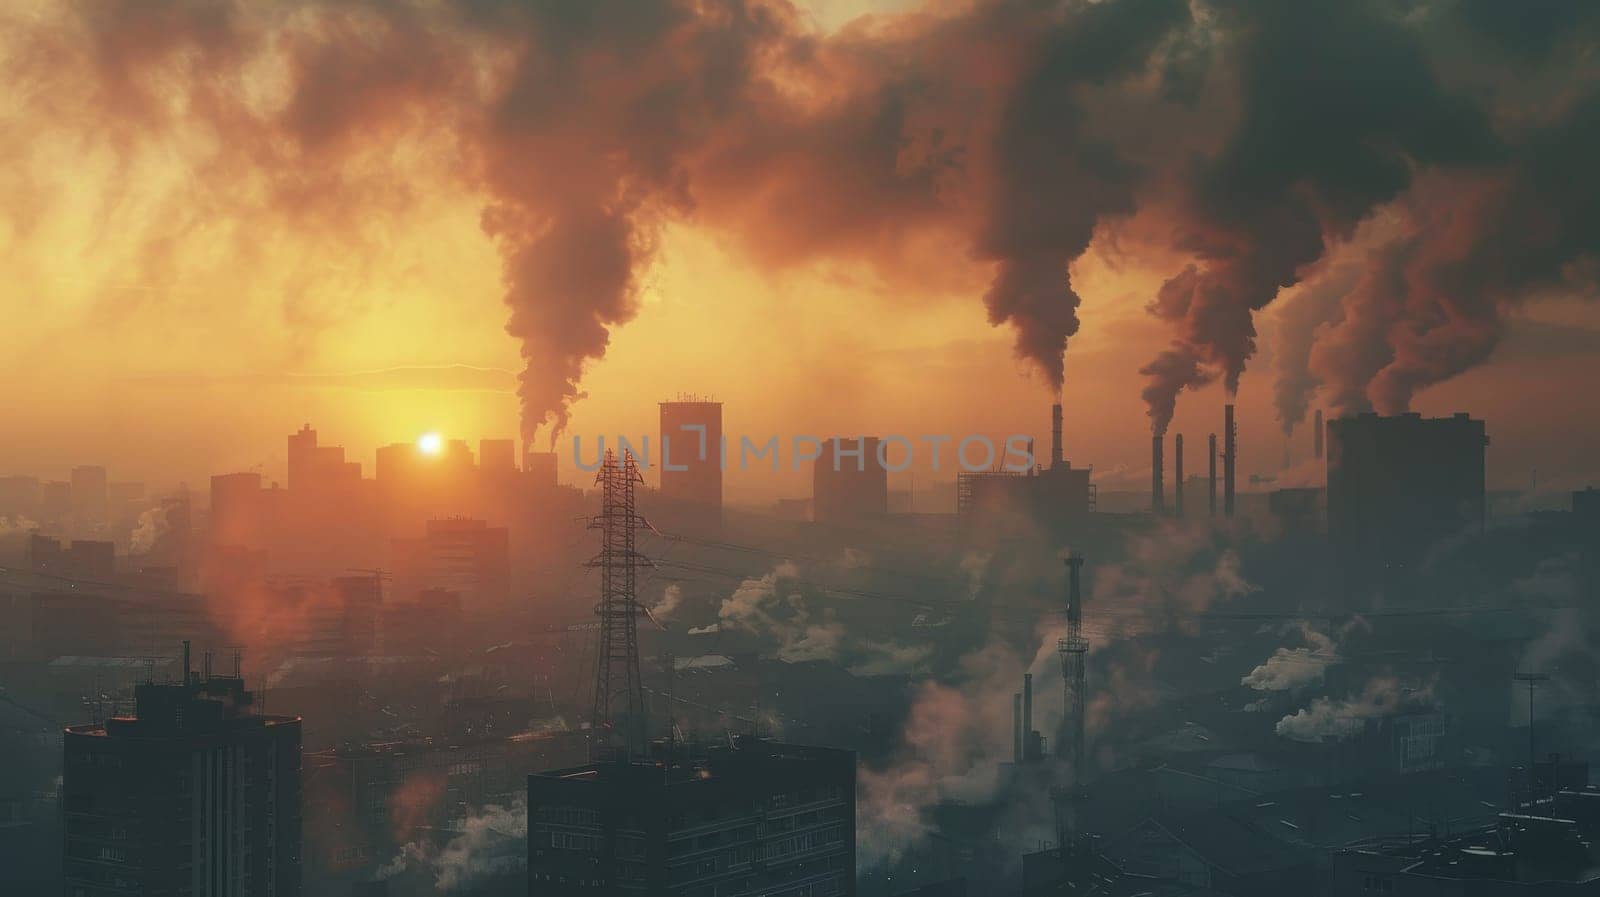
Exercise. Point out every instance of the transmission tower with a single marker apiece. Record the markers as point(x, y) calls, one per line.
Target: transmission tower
point(618, 689)
point(1073, 650)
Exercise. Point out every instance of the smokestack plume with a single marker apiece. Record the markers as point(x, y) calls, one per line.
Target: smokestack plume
point(1177, 472)
point(1229, 457)
point(1016, 727)
point(1055, 435)
point(1212, 476)
point(1158, 501)
point(1316, 437)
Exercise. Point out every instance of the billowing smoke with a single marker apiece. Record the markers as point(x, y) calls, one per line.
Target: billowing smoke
point(971, 131)
point(1258, 134)
point(491, 842)
point(1337, 107)
point(1346, 717)
point(783, 610)
point(667, 606)
point(152, 525)
point(1289, 669)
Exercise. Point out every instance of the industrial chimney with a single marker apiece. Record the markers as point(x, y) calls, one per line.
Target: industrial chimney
point(1316, 437)
point(1027, 712)
point(1230, 457)
point(1158, 501)
point(1213, 476)
point(1055, 435)
point(1016, 727)
point(1177, 472)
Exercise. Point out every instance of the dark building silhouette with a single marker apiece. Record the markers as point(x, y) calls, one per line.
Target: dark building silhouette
point(91, 496)
point(994, 505)
point(848, 484)
point(460, 554)
point(195, 794)
point(238, 510)
point(690, 458)
point(756, 818)
point(1397, 485)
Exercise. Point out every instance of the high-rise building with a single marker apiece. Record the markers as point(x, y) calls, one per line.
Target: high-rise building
point(497, 457)
point(690, 456)
point(316, 468)
point(848, 481)
point(754, 818)
point(459, 554)
point(196, 793)
point(1397, 485)
point(91, 496)
point(238, 510)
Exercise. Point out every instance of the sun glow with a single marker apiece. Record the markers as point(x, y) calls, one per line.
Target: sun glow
point(430, 443)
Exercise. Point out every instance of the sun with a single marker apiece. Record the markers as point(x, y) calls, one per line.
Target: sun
point(430, 443)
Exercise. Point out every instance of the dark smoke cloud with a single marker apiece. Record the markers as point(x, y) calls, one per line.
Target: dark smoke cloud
point(1055, 180)
point(1337, 105)
point(1257, 134)
point(1437, 296)
point(588, 127)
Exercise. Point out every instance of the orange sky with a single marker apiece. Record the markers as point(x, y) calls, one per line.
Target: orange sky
point(170, 342)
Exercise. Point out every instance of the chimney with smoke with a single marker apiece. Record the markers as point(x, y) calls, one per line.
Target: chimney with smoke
point(1230, 448)
point(1316, 436)
point(1212, 476)
point(1158, 502)
point(1055, 435)
point(1177, 472)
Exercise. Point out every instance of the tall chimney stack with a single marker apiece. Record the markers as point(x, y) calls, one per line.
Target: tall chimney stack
point(1158, 492)
point(1213, 476)
point(1055, 435)
point(1230, 457)
point(1316, 436)
point(1027, 711)
point(1016, 727)
point(1177, 472)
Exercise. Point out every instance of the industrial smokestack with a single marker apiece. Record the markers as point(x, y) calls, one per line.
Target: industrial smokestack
point(1027, 706)
point(1316, 436)
point(1177, 472)
point(1016, 727)
point(1158, 500)
point(1212, 477)
point(1230, 457)
point(1055, 435)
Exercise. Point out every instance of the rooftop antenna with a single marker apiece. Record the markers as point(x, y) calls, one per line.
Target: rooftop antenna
point(1533, 679)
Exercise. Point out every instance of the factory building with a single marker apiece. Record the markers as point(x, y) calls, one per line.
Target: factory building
point(1398, 485)
point(753, 818)
point(196, 793)
point(690, 459)
point(849, 482)
point(1049, 497)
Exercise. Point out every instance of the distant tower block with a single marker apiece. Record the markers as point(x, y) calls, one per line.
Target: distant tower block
point(1158, 499)
point(691, 443)
point(1177, 472)
point(1316, 436)
point(540, 469)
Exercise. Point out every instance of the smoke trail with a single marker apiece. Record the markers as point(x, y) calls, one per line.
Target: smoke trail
point(1311, 154)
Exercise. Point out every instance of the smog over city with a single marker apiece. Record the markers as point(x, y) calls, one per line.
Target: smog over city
point(799, 448)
